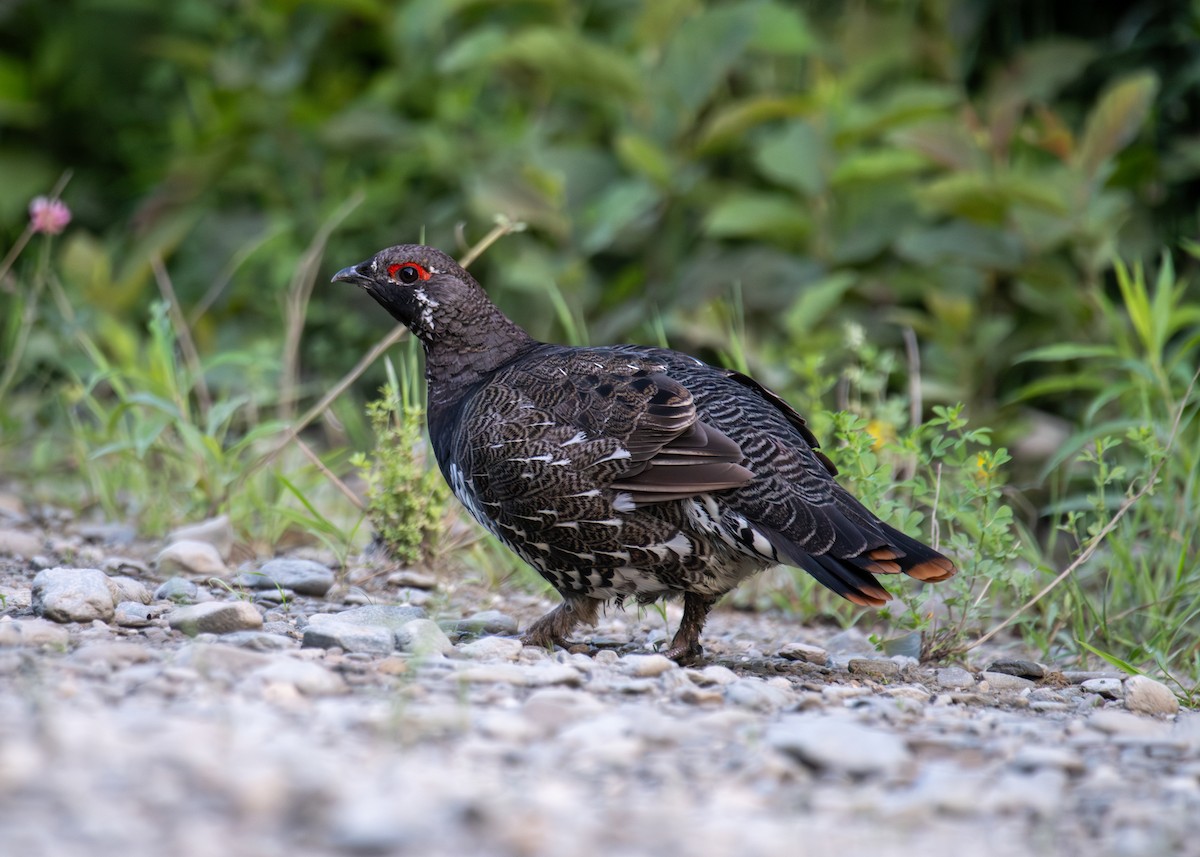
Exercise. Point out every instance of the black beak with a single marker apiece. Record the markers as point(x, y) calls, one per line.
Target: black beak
point(351, 274)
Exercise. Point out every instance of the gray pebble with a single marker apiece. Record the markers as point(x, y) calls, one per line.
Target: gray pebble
point(646, 666)
point(849, 642)
point(1031, 757)
point(1114, 722)
point(954, 678)
point(128, 589)
point(482, 623)
point(411, 579)
point(839, 745)
point(123, 565)
point(259, 641)
point(879, 669)
point(178, 589)
point(108, 533)
point(73, 595)
point(217, 660)
point(494, 674)
point(306, 677)
point(215, 617)
point(1147, 696)
point(371, 639)
point(1018, 667)
point(299, 575)
point(551, 709)
point(757, 695)
point(717, 674)
point(191, 557)
point(1080, 676)
point(33, 632)
point(134, 614)
point(802, 652)
point(217, 532)
point(390, 616)
point(492, 649)
point(1005, 683)
point(1109, 688)
point(19, 543)
point(422, 637)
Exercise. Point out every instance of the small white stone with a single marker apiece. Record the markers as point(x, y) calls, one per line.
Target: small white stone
point(646, 666)
point(217, 532)
point(1109, 688)
point(190, 556)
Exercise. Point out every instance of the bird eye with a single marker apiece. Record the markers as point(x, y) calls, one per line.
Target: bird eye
point(407, 273)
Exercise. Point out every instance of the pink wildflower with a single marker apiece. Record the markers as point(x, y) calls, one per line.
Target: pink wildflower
point(48, 215)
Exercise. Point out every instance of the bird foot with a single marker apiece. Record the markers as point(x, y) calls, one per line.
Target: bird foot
point(685, 653)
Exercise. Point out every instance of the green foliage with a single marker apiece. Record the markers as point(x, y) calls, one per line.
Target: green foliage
point(407, 497)
point(1139, 446)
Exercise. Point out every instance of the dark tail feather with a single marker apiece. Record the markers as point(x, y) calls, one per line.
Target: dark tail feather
point(846, 580)
point(919, 560)
point(851, 577)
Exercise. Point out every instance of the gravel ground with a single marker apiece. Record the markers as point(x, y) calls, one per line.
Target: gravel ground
point(146, 710)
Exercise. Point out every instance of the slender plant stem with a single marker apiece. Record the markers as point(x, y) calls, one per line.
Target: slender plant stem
point(298, 294)
point(330, 475)
point(183, 333)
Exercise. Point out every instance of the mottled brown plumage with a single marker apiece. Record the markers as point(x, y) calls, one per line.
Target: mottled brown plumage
point(627, 471)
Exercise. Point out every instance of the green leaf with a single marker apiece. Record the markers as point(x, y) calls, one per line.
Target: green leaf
point(698, 58)
point(878, 166)
point(731, 121)
point(1122, 665)
point(747, 214)
point(816, 300)
point(1067, 351)
point(794, 157)
point(782, 30)
point(642, 155)
point(1116, 120)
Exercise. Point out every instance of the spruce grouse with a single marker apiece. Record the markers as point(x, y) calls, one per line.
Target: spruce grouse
point(627, 470)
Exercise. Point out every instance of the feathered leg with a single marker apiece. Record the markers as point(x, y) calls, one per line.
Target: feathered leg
point(686, 645)
point(552, 629)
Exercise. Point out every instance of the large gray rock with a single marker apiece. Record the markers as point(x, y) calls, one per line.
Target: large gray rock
point(216, 617)
point(302, 576)
point(73, 595)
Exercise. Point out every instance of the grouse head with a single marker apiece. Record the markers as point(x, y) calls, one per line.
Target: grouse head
point(464, 334)
point(418, 285)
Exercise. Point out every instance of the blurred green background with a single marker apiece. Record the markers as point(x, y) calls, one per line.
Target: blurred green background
point(964, 168)
point(788, 186)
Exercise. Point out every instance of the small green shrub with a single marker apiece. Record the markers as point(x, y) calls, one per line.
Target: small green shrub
point(407, 498)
